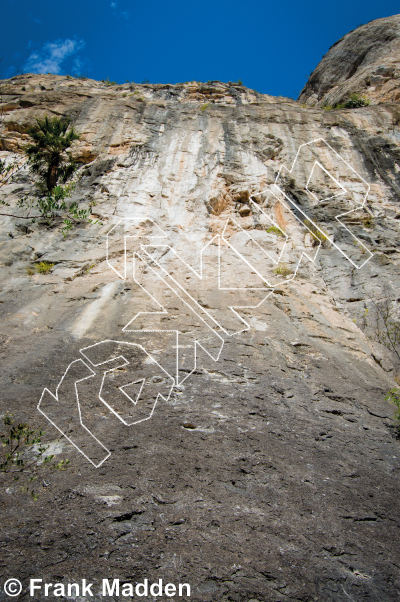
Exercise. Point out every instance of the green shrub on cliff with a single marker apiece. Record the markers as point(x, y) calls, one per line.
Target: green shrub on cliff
point(316, 234)
point(282, 270)
point(382, 321)
point(44, 267)
point(354, 102)
point(275, 230)
point(53, 165)
point(48, 152)
point(22, 454)
point(394, 397)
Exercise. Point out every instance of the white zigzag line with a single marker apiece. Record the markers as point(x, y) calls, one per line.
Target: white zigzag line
point(164, 311)
point(200, 275)
point(275, 185)
point(97, 465)
point(79, 413)
point(126, 363)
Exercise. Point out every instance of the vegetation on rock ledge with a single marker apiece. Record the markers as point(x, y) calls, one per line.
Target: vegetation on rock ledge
point(54, 166)
point(23, 454)
point(354, 102)
point(394, 397)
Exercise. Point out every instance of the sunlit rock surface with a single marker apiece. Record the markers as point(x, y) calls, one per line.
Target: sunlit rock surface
point(271, 473)
point(366, 62)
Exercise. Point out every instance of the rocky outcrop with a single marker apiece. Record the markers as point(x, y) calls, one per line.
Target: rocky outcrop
point(366, 61)
point(271, 472)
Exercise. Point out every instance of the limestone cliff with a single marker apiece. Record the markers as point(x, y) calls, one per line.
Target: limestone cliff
point(366, 61)
point(270, 471)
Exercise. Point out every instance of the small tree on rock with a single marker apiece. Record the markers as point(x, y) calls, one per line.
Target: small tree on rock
point(48, 153)
point(54, 165)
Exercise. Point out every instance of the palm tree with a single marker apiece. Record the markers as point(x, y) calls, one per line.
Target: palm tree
point(48, 152)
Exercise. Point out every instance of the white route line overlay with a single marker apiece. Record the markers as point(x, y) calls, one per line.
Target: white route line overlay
point(275, 190)
point(147, 258)
point(126, 363)
point(79, 411)
point(196, 308)
point(56, 396)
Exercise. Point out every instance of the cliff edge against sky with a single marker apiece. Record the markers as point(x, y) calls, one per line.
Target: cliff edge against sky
point(271, 469)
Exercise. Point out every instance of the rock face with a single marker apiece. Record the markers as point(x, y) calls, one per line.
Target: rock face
point(366, 61)
point(270, 470)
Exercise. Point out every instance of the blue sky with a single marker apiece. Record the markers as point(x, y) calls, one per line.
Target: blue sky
point(271, 46)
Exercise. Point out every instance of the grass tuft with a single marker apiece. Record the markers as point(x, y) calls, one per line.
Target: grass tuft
point(44, 267)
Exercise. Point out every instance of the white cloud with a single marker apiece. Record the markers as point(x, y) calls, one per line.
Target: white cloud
point(80, 66)
point(51, 56)
point(35, 19)
point(124, 14)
